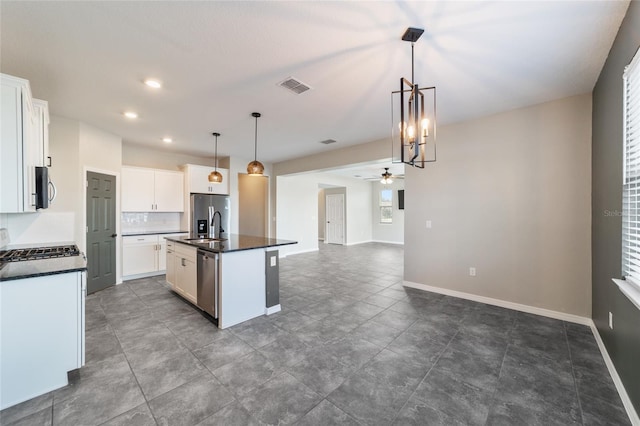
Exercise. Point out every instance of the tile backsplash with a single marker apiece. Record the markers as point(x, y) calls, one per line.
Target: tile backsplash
point(145, 222)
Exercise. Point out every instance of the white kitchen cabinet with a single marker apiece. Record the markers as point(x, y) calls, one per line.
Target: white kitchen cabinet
point(18, 146)
point(41, 334)
point(139, 254)
point(170, 261)
point(144, 255)
point(151, 190)
point(186, 275)
point(41, 110)
point(197, 180)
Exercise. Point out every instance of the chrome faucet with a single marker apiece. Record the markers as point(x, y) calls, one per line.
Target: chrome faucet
point(213, 224)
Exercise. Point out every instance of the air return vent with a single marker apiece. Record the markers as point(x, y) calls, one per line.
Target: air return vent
point(296, 86)
point(328, 141)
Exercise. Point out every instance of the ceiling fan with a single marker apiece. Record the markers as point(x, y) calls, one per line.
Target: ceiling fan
point(386, 177)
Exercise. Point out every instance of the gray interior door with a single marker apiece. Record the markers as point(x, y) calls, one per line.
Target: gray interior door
point(101, 231)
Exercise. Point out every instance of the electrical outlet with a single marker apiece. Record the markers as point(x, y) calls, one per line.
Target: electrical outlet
point(472, 272)
point(611, 320)
point(428, 224)
point(273, 260)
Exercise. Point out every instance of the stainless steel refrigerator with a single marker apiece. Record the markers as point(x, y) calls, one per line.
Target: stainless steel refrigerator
point(202, 208)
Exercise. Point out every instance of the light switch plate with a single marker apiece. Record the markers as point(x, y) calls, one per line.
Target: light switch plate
point(273, 260)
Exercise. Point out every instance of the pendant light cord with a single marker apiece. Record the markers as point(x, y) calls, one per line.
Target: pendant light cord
point(412, 76)
point(216, 169)
point(255, 152)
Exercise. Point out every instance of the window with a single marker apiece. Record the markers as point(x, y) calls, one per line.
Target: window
point(386, 206)
point(631, 167)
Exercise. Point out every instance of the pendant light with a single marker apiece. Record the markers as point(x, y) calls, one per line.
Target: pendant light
point(417, 125)
point(215, 176)
point(387, 178)
point(255, 168)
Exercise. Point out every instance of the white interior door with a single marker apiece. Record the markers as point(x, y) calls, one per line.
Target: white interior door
point(335, 219)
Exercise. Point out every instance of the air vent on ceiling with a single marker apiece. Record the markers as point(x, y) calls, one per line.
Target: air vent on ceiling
point(328, 141)
point(296, 86)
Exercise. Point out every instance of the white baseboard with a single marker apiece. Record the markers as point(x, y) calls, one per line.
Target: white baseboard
point(400, 243)
point(626, 401)
point(145, 275)
point(502, 303)
point(358, 242)
point(272, 309)
point(283, 255)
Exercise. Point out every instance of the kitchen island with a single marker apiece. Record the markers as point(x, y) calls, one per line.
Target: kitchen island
point(232, 279)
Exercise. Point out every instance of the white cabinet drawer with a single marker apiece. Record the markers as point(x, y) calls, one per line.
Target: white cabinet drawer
point(139, 239)
point(186, 252)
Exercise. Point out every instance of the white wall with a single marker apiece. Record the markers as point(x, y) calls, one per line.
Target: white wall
point(387, 232)
point(297, 207)
point(509, 195)
point(100, 152)
point(57, 223)
point(139, 156)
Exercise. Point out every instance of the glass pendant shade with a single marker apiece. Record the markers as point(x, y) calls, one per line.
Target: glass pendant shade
point(255, 168)
point(215, 176)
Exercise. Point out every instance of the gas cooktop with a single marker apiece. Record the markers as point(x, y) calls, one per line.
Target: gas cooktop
point(18, 255)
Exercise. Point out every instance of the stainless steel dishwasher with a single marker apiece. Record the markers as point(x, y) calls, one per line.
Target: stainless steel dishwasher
point(208, 269)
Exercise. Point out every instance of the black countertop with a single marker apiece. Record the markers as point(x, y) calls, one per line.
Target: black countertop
point(41, 267)
point(233, 242)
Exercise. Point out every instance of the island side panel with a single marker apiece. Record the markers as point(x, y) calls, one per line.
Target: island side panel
point(242, 286)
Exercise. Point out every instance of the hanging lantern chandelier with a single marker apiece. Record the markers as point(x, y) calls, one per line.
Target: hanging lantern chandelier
point(413, 116)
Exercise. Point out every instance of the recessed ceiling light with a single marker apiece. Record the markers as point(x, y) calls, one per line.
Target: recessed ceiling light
point(131, 114)
point(167, 140)
point(153, 83)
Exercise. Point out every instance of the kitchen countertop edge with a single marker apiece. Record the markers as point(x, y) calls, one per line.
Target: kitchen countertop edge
point(42, 274)
point(234, 242)
point(136, 234)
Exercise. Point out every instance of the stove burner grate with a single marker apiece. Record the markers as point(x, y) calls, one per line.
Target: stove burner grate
point(18, 255)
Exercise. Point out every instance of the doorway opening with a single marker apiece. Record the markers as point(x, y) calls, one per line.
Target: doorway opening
point(253, 205)
point(335, 214)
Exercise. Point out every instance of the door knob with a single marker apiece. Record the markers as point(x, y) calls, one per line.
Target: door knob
point(114, 235)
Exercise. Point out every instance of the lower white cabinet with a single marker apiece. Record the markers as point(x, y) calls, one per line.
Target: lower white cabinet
point(185, 274)
point(171, 264)
point(41, 334)
point(144, 255)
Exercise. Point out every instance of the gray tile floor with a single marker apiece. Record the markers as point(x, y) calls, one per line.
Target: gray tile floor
point(351, 346)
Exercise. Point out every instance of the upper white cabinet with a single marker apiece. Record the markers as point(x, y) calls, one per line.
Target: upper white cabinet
point(151, 190)
point(19, 145)
point(41, 110)
point(197, 180)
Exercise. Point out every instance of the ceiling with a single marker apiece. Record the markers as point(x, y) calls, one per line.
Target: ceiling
point(221, 61)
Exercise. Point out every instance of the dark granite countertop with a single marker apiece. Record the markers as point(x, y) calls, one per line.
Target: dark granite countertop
point(41, 267)
point(137, 233)
point(233, 242)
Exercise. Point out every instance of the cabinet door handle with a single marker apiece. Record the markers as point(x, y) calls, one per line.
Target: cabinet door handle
point(49, 159)
point(182, 262)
